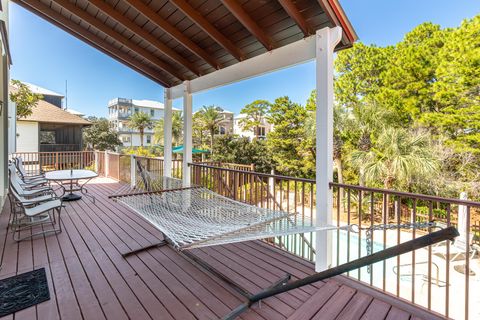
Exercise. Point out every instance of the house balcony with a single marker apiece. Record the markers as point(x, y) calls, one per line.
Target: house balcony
point(89, 278)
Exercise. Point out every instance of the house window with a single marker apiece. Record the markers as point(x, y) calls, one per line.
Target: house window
point(261, 132)
point(136, 110)
point(152, 112)
point(149, 139)
point(125, 139)
point(222, 130)
point(47, 137)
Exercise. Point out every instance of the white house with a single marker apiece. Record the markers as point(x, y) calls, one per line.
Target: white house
point(239, 129)
point(119, 112)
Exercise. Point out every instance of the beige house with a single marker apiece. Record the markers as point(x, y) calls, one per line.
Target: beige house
point(239, 129)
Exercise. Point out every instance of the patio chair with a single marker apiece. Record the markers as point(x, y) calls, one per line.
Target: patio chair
point(23, 189)
point(458, 248)
point(39, 211)
point(18, 161)
point(461, 245)
point(26, 185)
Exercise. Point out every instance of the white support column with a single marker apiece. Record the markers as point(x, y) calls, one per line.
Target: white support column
point(167, 134)
point(187, 132)
point(326, 40)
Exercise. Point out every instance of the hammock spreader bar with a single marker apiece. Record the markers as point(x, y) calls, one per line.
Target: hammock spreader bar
point(435, 237)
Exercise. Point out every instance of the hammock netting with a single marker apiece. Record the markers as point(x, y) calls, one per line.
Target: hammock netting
point(193, 216)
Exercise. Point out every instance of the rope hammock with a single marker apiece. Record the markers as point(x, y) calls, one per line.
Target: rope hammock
point(192, 217)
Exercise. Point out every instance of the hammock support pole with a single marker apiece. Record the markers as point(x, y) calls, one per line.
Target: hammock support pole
point(155, 245)
point(435, 237)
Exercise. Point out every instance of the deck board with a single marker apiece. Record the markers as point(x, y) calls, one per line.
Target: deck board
point(89, 279)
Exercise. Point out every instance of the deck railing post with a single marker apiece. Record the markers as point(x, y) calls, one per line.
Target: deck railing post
point(97, 161)
point(106, 164)
point(133, 171)
point(326, 40)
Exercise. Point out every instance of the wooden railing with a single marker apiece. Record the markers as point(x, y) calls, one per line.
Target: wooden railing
point(36, 162)
point(428, 278)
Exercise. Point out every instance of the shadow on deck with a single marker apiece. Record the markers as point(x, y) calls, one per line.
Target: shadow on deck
point(89, 278)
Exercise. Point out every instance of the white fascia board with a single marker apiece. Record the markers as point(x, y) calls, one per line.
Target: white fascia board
point(283, 57)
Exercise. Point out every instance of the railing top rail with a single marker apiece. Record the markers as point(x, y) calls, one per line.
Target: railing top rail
point(259, 174)
point(50, 153)
point(347, 186)
point(408, 195)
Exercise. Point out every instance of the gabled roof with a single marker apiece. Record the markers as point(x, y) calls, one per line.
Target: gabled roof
point(48, 113)
point(171, 41)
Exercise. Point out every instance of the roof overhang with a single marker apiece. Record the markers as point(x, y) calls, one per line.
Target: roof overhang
point(171, 41)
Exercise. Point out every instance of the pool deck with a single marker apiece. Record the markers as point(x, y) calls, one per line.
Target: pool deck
point(89, 279)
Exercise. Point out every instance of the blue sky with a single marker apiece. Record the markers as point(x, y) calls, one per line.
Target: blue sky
point(47, 56)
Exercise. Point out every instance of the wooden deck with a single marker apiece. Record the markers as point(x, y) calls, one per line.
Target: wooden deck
point(89, 278)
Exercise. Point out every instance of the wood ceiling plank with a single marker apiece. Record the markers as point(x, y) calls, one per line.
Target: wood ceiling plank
point(207, 27)
point(79, 32)
point(97, 24)
point(248, 23)
point(127, 23)
point(293, 12)
point(173, 32)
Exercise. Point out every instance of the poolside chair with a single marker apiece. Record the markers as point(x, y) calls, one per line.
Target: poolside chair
point(461, 245)
point(18, 161)
point(35, 212)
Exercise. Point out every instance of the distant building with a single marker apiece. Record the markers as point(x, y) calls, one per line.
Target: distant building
point(263, 129)
point(225, 126)
point(49, 128)
point(119, 112)
point(47, 95)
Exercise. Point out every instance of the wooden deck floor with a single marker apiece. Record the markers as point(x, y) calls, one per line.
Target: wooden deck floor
point(89, 278)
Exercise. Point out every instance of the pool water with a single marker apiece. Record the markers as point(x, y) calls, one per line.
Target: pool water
point(346, 240)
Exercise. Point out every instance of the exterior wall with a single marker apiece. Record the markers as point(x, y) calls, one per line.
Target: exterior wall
point(4, 115)
point(55, 100)
point(133, 139)
point(27, 136)
point(12, 127)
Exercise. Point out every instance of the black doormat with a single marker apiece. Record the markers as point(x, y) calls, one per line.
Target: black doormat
point(23, 291)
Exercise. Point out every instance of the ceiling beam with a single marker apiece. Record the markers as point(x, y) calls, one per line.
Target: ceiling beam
point(156, 19)
point(97, 24)
point(245, 19)
point(289, 55)
point(208, 28)
point(293, 12)
point(125, 22)
point(77, 31)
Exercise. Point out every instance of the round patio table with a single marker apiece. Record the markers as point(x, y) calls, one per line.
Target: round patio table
point(69, 181)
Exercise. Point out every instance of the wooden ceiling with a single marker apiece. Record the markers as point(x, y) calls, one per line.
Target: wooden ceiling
point(170, 41)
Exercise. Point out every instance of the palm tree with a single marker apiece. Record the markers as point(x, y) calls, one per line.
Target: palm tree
point(211, 119)
point(396, 157)
point(140, 121)
point(177, 129)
